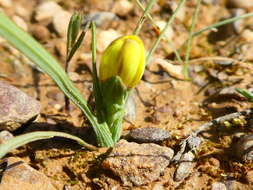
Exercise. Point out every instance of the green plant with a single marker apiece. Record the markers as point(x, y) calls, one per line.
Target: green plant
point(108, 118)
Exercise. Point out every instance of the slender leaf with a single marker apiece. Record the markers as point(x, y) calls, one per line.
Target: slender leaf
point(34, 136)
point(246, 94)
point(73, 30)
point(75, 46)
point(189, 42)
point(156, 43)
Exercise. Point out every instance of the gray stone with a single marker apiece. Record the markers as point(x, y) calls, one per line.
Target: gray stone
point(16, 107)
point(185, 167)
point(138, 164)
point(101, 17)
point(21, 176)
point(148, 134)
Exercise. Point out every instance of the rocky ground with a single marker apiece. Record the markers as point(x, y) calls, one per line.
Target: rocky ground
point(165, 105)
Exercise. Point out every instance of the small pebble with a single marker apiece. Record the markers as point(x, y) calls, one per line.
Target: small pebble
point(122, 7)
point(158, 186)
point(101, 17)
point(148, 135)
point(218, 186)
point(40, 32)
point(21, 11)
point(185, 167)
point(60, 22)
point(105, 37)
point(46, 10)
point(247, 35)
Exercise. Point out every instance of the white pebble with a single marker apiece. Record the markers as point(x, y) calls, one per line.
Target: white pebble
point(47, 10)
point(105, 37)
point(60, 22)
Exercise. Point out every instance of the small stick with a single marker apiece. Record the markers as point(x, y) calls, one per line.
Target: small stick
point(186, 143)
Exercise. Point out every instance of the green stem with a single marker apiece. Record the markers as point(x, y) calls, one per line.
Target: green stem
point(96, 83)
point(143, 17)
point(189, 42)
point(156, 43)
point(171, 44)
point(221, 23)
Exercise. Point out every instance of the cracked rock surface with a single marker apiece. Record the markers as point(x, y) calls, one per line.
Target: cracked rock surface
point(138, 164)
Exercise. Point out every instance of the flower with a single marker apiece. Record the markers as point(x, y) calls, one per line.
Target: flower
point(124, 57)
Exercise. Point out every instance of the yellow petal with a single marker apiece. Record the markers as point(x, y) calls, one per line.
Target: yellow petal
point(124, 57)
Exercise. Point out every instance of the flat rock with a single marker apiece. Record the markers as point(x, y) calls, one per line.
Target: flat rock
point(138, 164)
point(21, 176)
point(149, 134)
point(16, 107)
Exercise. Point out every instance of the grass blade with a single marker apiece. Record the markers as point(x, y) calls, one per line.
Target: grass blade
point(34, 136)
point(246, 94)
point(73, 30)
point(189, 41)
point(156, 43)
point(142, 19)
point(221, 23)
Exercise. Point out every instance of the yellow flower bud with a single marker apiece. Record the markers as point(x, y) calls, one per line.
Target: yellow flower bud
point(124, 57)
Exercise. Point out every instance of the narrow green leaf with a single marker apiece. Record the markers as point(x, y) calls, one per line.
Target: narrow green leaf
point(34, 136)
point(75, 46)
point(73, 30)
point(245, 93)
point(96, 83)
point(36, 53)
